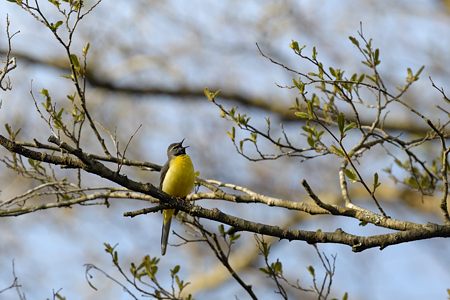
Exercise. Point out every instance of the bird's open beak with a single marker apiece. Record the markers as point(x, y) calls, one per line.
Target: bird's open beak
point(181, 143)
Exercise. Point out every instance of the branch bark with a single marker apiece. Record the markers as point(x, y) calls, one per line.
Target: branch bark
point(76, 158)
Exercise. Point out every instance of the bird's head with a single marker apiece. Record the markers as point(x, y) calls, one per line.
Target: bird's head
point(175, 149)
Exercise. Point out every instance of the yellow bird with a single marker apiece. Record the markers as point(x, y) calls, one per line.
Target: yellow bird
point(177, 179)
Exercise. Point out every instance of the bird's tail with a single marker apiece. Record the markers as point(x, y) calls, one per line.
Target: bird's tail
point(167, 220)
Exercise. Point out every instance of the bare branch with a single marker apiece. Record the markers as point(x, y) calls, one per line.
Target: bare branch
point(358, 243)
point(10, 62)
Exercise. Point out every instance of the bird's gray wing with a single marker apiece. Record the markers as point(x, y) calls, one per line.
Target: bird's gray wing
point(163, 172)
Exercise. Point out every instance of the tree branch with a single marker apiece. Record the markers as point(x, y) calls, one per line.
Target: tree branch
point(193, 93)
point(358, 243)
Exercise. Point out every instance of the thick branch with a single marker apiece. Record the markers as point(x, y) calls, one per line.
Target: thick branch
point(358, 243)
point(351, 211)
point(41, 156)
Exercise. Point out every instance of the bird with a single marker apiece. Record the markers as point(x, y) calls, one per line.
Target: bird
point(176, 179)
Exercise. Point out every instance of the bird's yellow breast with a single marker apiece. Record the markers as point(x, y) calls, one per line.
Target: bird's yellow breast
point(180, 177)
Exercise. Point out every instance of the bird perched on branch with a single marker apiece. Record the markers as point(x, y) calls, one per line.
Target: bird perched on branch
point(177, 179)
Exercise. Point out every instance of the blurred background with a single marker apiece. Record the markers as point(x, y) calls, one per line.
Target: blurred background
point(149, 62)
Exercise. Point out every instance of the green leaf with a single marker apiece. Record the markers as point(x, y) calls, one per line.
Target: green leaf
point(36, 165)
point(354, 41)
point(232, 112)
point(59, 297)
point(75, 62)
point(180, 283)
point(133, 269)
point(277, 267)
point(57, 119)
point(86, 49)
point(302, 115)
point(320, 67)
point(311, 271)
point(332, 71)
point(115, 258)
point(314, 101)
point(413, 77)
point(175, 270)
point(294, 46)
point(17, 132)
point(417, 75)
point(32, 162)
point(232, 133)
point(310, 141)
point(314, 53)
point(150, 266)
point(55, 3)
point(309, 129)
point(55, 26)
point(108, 248)
point(337, 151)
point(345, 297)
point(71, 97)
point(350, 126)
point(67, 76)
point(361, 78)
point(412, 182)
point(76, 5)
point(48, 100)
point(45, 93)
point(243, 119)
point(410, 76)
point(210, 95)
point(221, 229)
point(372, 78)
point(59, 114)
point(8, 129)
point(310, 107)
point(376, 57)
point(299, 85)
point(376, 182)
point(234, 237)
point(341, 122)
point(351, 174)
